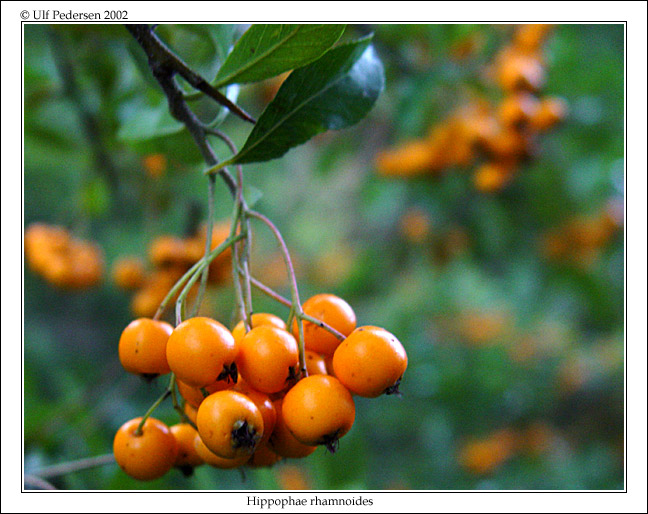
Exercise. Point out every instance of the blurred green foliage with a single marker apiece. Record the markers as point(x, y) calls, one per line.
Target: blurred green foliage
point(500, 340)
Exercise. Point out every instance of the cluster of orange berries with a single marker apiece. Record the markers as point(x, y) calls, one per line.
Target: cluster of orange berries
point(580, 239)
point(495, 138)
point(61, 259)
point(170, 258)
point(486, 454)
point(245, 392)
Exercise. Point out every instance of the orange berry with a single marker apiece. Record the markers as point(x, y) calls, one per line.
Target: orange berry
point(268, 358)
point(551, 111)
point(491, 177)
point(520, 71)
point(214, 460)
point(370, 362)
point(142, 347)
point(409, 159)
point(262, 318)
point(184, 435)
point(283, 443)
point(263, 457)
point(267, 410)
point(191, 412)
point(129, 273)
point(318, 410)
point(315, 364)
point(166, 251)
point(146, 456)
point(529, 38)
point(518, 109)
point(229, 424)
point(155, 164)
point(201, 351)
point(333, 311)
point(194, 396)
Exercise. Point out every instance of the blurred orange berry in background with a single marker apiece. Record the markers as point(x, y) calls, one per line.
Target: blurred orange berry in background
point(129, 273)
point(415, 225)
point(485, 455)
point(155, 164)
point(292, 477)
point(61, 259)
point(481, 328)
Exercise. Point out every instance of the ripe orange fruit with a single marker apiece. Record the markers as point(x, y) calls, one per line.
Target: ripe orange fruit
point(333, 311)
point(262, 318)
point(229, 424)
point(268, 358)
point(142, 347)
point(146, 456)
point(184, 435)
point(194, 396)
point(315, 363)
point(370, 362)
point(201, 351)
point(263, 457)
point(283, 443)
point(318, 410)
point(214, 460)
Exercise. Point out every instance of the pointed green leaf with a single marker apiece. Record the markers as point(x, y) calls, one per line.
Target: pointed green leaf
point(265, 51)
point(334, 92)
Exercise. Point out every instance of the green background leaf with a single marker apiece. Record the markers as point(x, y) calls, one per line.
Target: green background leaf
point(334, 92)
point(268, 50)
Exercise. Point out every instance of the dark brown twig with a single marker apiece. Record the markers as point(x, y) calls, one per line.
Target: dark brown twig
point(160, 55)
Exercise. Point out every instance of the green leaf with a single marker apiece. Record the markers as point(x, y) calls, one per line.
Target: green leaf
point(268, 50)
point(334, 92)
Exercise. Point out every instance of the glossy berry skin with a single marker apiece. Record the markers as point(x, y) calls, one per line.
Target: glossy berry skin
point(184, 435)
point(263, 457)
point(268, 358)
point(214, 460)
point(318, 410)
point(147, 456)
point(370, 362)
point(315, 363)
point(229, 424)
point(262, 318)
point(191, 412)
point(333, 311)
point(194, 396)
point(265, 406)
point(142, 347)
point(282, 442)
point(201, 351)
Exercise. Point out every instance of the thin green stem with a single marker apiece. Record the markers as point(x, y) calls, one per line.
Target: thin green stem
point(75, 465)
point(156, 404)
point(178, 408)
point(245, 253)
point(174, 290)
point(291, 317)
point(211, 185)
point(296, 305)
point(323, 325)
point(270, 292)
point(38, 483)
point(205, 261)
